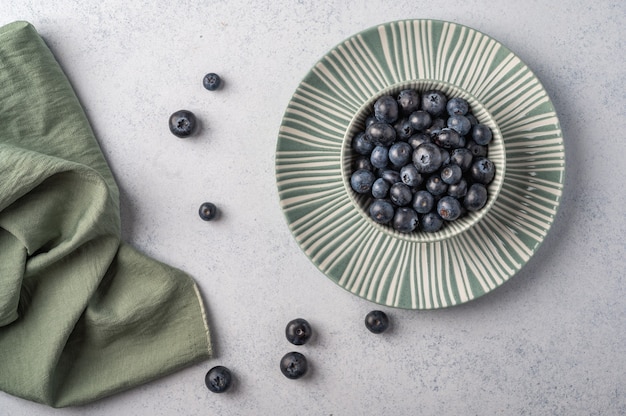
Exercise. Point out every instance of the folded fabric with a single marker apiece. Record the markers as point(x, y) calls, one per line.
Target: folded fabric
point(82, 314)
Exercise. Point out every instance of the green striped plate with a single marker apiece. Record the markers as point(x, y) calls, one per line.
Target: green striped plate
point(420, 271)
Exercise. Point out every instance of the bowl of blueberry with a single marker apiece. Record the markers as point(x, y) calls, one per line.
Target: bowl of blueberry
point(420, 164)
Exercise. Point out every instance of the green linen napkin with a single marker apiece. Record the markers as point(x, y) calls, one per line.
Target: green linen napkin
point(82, 314)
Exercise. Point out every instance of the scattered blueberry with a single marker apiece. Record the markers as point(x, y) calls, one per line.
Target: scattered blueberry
point(449, 208)
point(404, 130)
point(462, 157)
point(483, 170)
point(431, 222)
point(460, 123)
point(481, 134)
point(380, 156)
point(362, 145)
point(448, 138)
point(476, 197)
point(377, 321)
point(211, 81)
point(423, 202)
point(451, 174)
point(410, 175)
point(405, 220)
point(298, 331)
point(218, 379)
point(382, 134)
point(459, 189)
point(182, 123)
point(400, 194)
point(420, 120)
point(400, 153)
point(457, 106)
point(391, 176)
point(435, 185)
point(380, 188)
point(294, 365)
point(207, 211)
point(427, 158)
point(417, 139)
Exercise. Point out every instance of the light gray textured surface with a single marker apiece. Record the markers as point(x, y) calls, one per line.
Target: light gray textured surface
point(552, 341)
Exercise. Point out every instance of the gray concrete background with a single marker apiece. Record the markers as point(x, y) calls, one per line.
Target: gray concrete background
point(551, 341)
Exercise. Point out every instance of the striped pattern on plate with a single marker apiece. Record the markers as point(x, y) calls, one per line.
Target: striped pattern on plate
point(328, 221)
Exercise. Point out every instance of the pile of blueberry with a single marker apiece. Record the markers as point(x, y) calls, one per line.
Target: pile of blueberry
point(422, 158)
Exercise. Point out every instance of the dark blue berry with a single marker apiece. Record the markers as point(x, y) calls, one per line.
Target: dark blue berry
point(362, 180)
point(481, 134)
point(435, 185)
point(476, 149)
point(400, 153)
point(211, 81)
point(448, 138)
point(391, 176)
point(386, 109)
point(408, 101)
point(380, 156)
point(420, 120)
point(462, 157)
point(400, 194)
point(405, 220)
point(380, 188)
point(410, 175)
point(476, 197)
point(404, 130)
point(418, 138)
point(381, 211)
point(423, 201)
point(431, 222)
point(427, 158)
point(363, 162)
point(377, 322)
point(483, 170)
point(362, 145)
point(218, 379)
point(182, 123)
point(449, 208)
point(457, 106)
point(460, 124)
point(294, 365)
point(451, 174)
point(434, 102)
point(382, 134)
point(370, 120)
point(436, 126)
point(459, 189)
point(207, 211)
point(298, 331)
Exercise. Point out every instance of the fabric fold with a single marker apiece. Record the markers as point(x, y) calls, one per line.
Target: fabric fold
point(83, 315)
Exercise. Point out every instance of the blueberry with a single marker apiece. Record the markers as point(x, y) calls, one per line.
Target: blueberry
point(449, 208)
point(362, 145)
point(380, 188)
point(207, 211)
point(445, 156)
point(476, 149)
point(405, 220)
point(381, 211)
point(460, 124)
point(400, 194)
point(459, 189)
point(400, 153)
point(293, 365)
point(218, 379)
point(476, 197)
point(472, 118)
point(382, 134)
point(211, 81)
point(408, 101)
point(363, 162)
point(462, 157)
point(435, 185)
point(427, 158)
point(418, 138)
point(420, 120)
point(483, 170)
point(386, 109)
point(434, 102)
point(362, 180)
point(448, 138)
point(481, 134)
point(183, 123)
point(436, 126)
point(298, 331)
point(391, 176)
point(370, 120)
point(404, 130)
point(380, 156)
point(451, 174)
point(457, 106)
point(377, 322)
point(411, 176)
point(423, 201)
point(431, 222)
